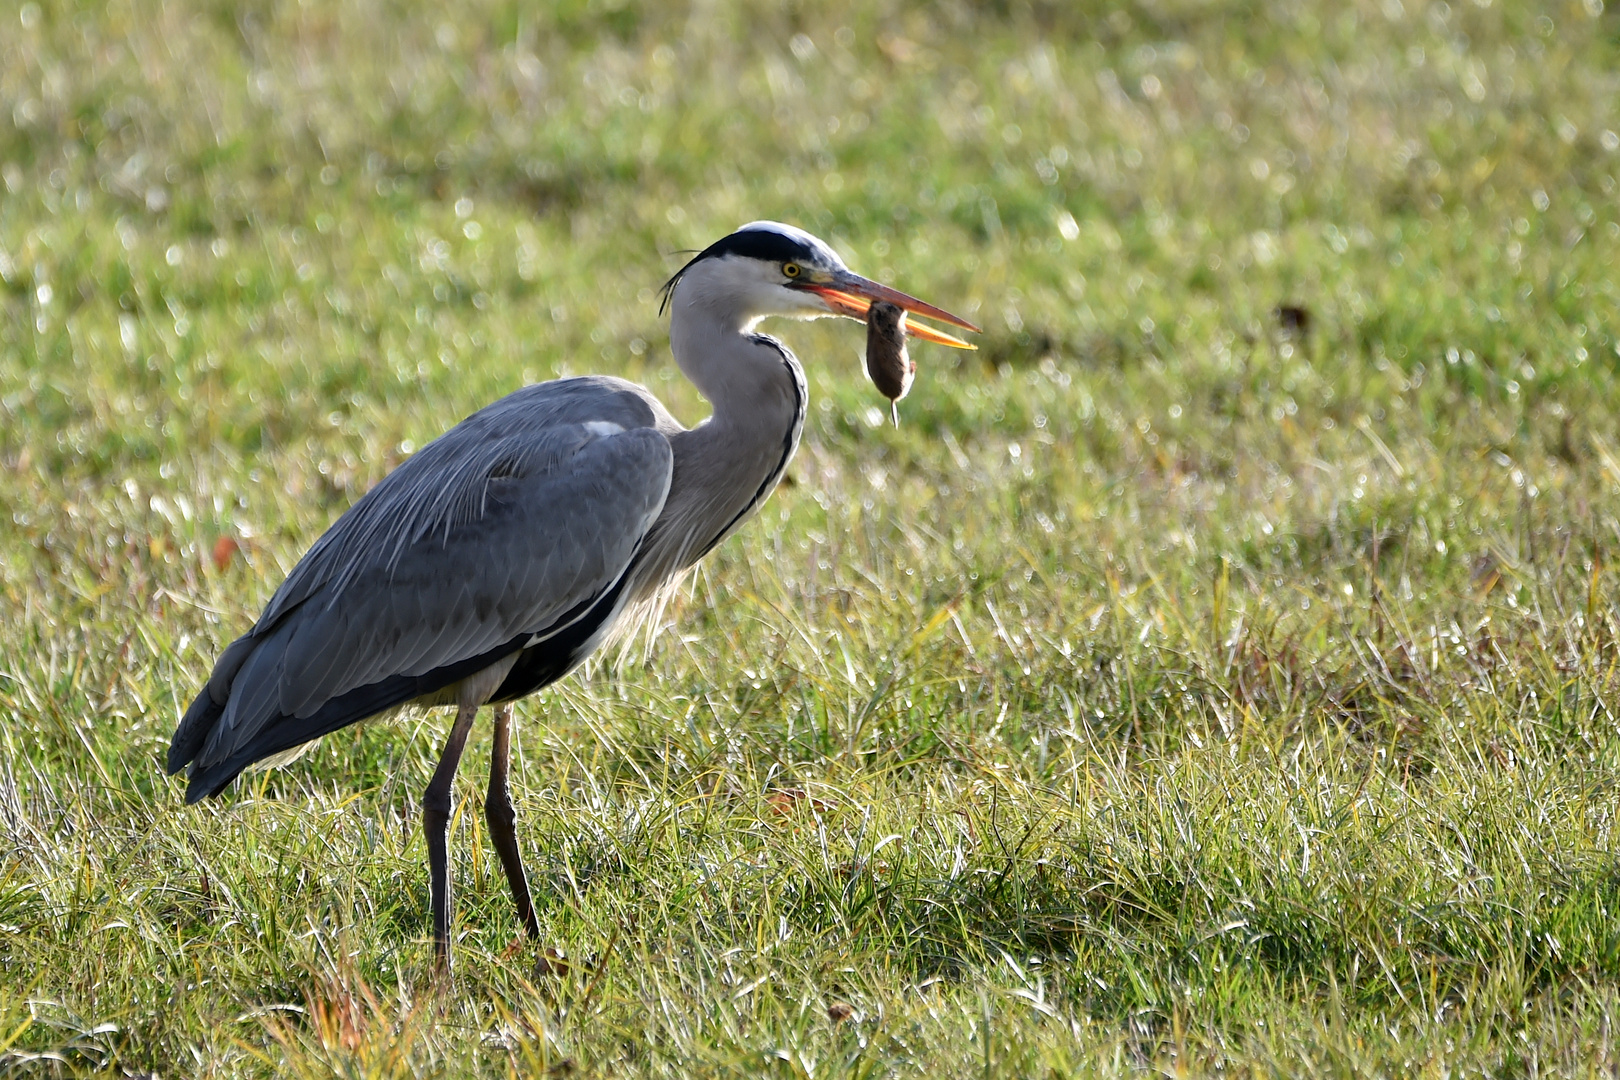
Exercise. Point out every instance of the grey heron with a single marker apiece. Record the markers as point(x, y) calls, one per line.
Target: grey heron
point(493, 561)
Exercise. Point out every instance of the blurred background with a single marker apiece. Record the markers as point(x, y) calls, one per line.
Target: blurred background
point(437, 200)
point(1279, 271)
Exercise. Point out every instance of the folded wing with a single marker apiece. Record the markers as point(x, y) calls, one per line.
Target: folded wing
point(506, 529)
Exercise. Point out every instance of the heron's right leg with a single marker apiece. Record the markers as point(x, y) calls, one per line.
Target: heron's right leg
point(436, 827)
point(502, 820)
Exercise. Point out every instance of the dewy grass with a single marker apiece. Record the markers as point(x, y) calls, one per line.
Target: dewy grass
point(1216, 673)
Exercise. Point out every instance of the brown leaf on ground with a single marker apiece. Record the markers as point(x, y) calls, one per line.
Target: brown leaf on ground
point(552, 963)
point(784, 801)
point(225, 549)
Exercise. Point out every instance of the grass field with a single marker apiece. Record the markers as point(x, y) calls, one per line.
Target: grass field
point(1215, 674)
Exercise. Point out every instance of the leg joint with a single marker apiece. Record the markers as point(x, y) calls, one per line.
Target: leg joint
point(498, 810)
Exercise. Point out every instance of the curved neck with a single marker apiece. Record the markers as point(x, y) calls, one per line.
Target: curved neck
point(753, 383)
point(728, 465)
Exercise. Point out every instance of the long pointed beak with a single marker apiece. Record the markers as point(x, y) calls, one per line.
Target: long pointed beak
point(852, 295)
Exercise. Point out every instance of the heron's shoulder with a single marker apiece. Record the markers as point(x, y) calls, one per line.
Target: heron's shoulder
point(583, 399)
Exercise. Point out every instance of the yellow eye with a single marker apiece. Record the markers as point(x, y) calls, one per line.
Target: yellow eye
point(790, 269)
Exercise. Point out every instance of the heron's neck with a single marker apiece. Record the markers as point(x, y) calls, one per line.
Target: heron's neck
point(728, 465)
point(754, 384)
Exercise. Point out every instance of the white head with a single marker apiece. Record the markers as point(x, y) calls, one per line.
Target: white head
point(768, 268)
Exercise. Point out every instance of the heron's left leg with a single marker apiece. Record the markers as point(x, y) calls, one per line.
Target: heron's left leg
point(436, 828)
point(502, 820)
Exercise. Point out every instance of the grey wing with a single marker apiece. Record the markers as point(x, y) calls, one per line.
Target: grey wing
point(502, 530)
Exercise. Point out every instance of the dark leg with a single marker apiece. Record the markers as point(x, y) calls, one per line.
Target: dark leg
point(436, 827)
point(501, 819)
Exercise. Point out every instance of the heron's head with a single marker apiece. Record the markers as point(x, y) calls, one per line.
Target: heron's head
point(767, 268)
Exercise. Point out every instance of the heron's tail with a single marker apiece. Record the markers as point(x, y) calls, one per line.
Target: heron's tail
point(209, 706)
point(193, 730)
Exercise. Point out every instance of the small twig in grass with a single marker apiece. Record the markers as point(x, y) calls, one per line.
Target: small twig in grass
point(1375, 592)
point(601, 966)
point(1350, 807)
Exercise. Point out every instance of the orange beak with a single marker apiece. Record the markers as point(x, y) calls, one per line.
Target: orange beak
point(853, 296)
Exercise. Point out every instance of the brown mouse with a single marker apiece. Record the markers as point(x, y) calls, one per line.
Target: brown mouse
point(888, 364)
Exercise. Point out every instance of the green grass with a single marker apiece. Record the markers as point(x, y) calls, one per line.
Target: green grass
point(1175, 690)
